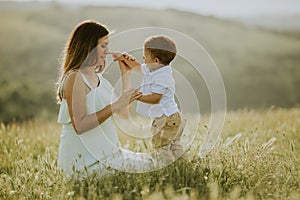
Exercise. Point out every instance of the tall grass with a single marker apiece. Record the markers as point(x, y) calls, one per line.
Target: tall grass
point(261, 164)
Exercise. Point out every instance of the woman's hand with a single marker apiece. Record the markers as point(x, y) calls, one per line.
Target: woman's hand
point(126, 98)
point(124, 67)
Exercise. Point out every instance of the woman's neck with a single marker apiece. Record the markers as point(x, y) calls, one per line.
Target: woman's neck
point(90, 70)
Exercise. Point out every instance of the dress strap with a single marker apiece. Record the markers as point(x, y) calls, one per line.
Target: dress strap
point(62, 82)
point(68, 74)
point(86, 81)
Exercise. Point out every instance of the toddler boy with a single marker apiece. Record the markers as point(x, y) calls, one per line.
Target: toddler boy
point(158, 88)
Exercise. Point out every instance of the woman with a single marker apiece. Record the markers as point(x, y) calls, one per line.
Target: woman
point(88, 139)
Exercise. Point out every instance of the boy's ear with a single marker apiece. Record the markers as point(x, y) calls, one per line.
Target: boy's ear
point(157, 61)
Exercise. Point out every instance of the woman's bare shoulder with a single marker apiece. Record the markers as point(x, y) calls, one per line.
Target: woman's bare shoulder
point(73, 81)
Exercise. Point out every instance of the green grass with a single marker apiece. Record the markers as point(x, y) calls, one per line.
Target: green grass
point(263, 164)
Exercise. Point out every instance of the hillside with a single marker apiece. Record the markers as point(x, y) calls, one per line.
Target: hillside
point(260, 67)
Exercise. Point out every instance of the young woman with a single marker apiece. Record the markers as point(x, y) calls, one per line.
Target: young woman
point(89, 139)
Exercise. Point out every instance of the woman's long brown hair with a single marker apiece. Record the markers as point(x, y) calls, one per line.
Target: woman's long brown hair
point(80, 50)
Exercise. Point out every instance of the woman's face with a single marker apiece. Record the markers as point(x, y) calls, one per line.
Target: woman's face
point(102, 50)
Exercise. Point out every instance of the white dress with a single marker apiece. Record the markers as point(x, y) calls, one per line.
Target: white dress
point(98, 148)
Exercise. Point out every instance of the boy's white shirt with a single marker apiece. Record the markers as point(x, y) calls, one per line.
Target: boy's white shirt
point(160, 81)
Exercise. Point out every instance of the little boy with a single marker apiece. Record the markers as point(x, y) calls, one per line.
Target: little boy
point(158, 88)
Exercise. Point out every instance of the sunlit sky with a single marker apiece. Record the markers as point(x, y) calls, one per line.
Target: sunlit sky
point(221, 8)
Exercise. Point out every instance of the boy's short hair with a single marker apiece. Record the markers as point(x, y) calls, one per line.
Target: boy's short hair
point(161, 47)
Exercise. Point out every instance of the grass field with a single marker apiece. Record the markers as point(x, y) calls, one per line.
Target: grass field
point(263, 163)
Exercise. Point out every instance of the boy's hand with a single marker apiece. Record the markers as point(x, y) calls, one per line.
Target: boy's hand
point(128, 56)
point(126, 61)
point(124, 67)
point(116, 55)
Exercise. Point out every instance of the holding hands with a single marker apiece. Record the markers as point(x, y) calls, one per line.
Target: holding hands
point(118, 56)
point(126, 61)
point(126, 98)
point(129, 95)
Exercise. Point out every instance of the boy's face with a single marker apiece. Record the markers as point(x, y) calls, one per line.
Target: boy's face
point(149, 61)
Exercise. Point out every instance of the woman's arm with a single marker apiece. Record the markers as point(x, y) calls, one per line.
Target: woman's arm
point(125, 75)
point(75, 93)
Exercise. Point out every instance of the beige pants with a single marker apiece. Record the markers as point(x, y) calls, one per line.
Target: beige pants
point(167, 131)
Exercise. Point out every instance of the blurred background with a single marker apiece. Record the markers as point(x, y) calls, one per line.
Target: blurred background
point(255, 44)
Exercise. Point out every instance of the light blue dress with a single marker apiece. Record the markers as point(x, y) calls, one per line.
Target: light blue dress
point(98, 148)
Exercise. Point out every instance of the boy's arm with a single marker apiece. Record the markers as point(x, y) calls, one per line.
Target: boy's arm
point(153, 98)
